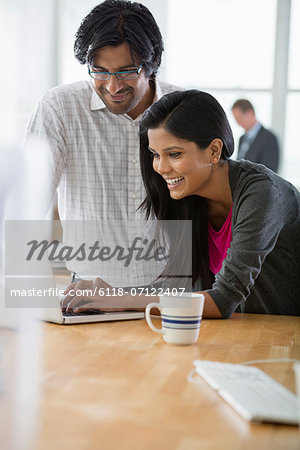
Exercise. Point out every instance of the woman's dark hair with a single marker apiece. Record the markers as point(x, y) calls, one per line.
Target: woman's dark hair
point(194, 116)
point(116, 21)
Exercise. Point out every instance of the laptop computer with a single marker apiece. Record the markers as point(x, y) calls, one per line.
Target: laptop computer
point(56, 315)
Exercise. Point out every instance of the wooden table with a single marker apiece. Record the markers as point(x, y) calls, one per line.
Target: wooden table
point(119, 386)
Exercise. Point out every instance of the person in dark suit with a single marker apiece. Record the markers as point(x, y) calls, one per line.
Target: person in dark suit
point(258, 144)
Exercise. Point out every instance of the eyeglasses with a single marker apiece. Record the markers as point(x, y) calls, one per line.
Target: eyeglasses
point(99, 74)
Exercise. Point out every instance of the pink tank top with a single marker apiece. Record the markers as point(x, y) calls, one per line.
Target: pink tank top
point(218, 243)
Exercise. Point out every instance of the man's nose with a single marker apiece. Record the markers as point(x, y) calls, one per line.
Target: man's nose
point(114, 84)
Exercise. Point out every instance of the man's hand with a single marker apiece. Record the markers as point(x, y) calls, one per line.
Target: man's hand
point(87, 295)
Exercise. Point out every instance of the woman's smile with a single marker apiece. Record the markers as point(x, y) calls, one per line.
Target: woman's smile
point(173, 183)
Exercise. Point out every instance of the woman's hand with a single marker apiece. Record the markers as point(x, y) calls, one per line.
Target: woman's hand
point(86, 295)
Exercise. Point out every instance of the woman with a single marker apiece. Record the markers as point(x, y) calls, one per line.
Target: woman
point(246, 219)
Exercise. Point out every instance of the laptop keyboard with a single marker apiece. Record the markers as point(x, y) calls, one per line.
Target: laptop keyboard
point(90, 312)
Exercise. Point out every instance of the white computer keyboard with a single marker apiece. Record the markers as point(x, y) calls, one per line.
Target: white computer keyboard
point(251, 392)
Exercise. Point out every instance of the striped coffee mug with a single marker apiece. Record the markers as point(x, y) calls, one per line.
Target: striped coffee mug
point(180, 316)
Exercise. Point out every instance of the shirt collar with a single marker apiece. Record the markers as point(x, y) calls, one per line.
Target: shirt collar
point(251, 134)
point(158, 92)
point(97, 103)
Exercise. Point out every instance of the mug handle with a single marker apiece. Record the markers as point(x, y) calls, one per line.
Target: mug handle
point(148, 318)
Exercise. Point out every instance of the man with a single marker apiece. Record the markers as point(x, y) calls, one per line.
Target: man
point(258, 144)
point(92, 126)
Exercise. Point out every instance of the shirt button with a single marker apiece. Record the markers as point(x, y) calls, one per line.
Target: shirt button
point(133, 161)
point(133, 196)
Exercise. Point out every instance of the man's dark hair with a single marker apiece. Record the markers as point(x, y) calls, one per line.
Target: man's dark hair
point(243, 104)
point(116, 21)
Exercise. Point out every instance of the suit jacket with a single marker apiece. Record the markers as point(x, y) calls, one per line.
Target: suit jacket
point(264, 149)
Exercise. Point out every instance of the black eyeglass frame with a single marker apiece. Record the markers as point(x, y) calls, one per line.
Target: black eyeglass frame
point(136, 71)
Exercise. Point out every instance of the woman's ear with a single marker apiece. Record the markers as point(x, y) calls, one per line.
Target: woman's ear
point(216, 150)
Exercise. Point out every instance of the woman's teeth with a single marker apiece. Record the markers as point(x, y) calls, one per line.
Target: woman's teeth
point(174, 180)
